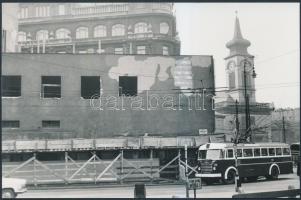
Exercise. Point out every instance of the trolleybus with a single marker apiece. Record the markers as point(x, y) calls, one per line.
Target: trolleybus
point(217, 161)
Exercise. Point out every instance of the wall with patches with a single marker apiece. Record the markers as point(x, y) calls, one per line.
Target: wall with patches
point(167, 81)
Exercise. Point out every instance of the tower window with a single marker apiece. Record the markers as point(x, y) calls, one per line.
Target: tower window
point(141, 50)
point(90, 86)
point(11, 86)
point(51, 87)
point(232, 80)
point(128, 85)
point(10, 124)
point(51, 123)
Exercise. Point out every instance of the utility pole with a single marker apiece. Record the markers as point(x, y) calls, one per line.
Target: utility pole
point(283, 130)
point(246, 102)
point(236, 141)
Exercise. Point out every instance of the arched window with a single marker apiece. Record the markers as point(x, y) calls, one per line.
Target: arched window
point(21, 36)
point(42, 35)
point(232, 80)
point(62, 33)
point(100, 31)
point(82, 32)
point(141, 27)
point(164, 28)
point(118, 30)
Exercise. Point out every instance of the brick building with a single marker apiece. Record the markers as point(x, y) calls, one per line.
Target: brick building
point(110, 28)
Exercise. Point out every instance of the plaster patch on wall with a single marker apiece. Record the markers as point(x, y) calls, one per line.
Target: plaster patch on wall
point(146, 70)
point(183, 74)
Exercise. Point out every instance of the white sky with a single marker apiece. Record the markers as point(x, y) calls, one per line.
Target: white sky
point(272, 29)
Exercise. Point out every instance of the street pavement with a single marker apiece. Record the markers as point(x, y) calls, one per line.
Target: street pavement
point(165, 191)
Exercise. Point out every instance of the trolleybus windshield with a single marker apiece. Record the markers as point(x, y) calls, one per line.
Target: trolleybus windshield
point(210, 154)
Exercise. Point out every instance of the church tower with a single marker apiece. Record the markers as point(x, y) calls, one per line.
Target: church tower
point(254, 117)
point(240, 67)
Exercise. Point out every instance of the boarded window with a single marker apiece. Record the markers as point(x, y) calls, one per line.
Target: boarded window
point(256, 152)
point(128, 85)
point(230, 153)
point(11, 86)
point(278, 152)
point(10, 124)
point(51, 124)
point(90, 86)
point(271, 152)
point(51, 87)
point(264, 152)
point(248, 152)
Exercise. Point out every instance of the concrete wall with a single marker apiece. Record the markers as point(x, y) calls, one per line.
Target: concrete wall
point(156, 77)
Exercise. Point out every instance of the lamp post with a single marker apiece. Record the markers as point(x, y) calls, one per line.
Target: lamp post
point(247, 106)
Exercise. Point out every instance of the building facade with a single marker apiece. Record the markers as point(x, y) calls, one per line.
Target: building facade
point(240, 78)
point(54, 96)
point(9, 27)
point(286, 125)
point(110, 28)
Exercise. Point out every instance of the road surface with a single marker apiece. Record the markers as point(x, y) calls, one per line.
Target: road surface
point(165, 191)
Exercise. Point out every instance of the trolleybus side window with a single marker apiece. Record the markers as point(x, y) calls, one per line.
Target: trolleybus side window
point(248, 152)
point(286, 151)
point(230, 153)
point(278, 152)
point(239, 153)
point(264, 152)
point(271, 152)
point(256, 152)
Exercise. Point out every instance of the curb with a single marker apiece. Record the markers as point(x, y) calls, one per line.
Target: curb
point(82, 186)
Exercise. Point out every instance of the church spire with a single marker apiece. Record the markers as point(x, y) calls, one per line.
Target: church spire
point(238, 45)
point(237, 31)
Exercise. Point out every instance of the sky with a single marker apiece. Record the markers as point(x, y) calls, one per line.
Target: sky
point(273, 30)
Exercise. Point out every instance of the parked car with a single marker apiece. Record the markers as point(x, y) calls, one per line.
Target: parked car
point(11, 187)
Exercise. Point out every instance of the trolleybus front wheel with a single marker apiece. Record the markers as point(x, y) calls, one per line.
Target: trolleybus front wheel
point(230, 177)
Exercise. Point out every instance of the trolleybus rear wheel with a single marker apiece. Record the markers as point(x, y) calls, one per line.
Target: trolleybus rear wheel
point(274, 174)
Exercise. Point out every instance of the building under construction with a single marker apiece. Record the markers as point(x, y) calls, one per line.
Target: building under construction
point(76, 118)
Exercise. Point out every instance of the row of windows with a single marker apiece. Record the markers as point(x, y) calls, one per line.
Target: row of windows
point(41, 11)
point(51, 86)
point(120, 50)
point(16, 124)
point(99, 31)
point(258, 152)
